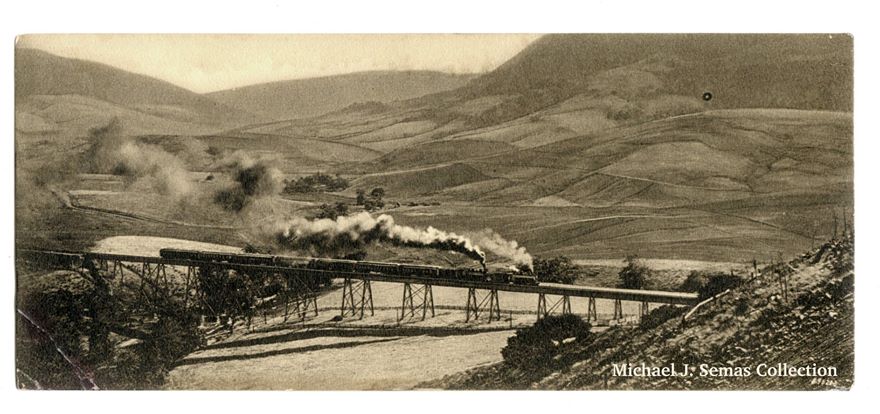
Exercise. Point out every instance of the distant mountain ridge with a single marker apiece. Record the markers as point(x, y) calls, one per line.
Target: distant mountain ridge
point(301, 98)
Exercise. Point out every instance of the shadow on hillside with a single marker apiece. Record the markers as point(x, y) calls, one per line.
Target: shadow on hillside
point(310, 348)
point(349, 333)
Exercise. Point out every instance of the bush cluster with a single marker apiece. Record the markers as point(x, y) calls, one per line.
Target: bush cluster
point(318, 182)
point(541, 343)
point(373, 200)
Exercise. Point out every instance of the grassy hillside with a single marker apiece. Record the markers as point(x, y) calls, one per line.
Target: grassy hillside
point(751, 325)
point(807, 72)
point(566, 86)
point(74, 115)
point(709, 157)
point(39, 73)
point(310, 97)
point(619, 159)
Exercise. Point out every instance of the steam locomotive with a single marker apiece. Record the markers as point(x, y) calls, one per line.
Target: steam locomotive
point(354, 266)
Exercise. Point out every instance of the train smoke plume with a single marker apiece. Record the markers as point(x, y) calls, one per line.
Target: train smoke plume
point(113, 153)
point(348, 233)
point(500, 246)
point(253, 179)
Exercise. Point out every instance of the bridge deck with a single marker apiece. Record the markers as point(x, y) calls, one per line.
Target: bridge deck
point(652, 296)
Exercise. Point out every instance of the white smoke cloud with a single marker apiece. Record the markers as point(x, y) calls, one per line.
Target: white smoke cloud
point(326, 236)
point(111, 152)
point(141, 160)
point(510, 249)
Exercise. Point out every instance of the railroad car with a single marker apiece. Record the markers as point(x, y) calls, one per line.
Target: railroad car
point(419, 270)
point(341, 265)
point(249, 258)
point(291, 261)
point(378, 267)
point(523, 279)
point(239, 258)
point(338, 265)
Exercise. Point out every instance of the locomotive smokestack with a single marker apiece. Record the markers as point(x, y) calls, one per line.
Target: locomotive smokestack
point(508, 249)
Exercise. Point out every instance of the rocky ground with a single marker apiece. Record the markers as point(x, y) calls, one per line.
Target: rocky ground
point(757, 323)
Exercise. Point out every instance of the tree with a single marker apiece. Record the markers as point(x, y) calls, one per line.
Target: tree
point(318, 182)
point(558, 269)
point(226, 292)
point(378, 192)
point(634, 275)
point(373, 204)
point(361, 197)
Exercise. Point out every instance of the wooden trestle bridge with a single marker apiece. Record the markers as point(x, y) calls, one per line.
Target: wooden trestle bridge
point(300, 297)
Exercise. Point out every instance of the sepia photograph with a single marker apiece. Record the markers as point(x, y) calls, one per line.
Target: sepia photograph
point(568, 211)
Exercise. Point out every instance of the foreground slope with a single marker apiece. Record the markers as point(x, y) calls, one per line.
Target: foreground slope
point(750, 325)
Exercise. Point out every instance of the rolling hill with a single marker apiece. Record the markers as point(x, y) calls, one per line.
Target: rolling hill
point(724, 184)
point(54, 94)
point(599, 145)
point(741, 70)
point(302, 98)
point(564, 86)
point(592, 146)
point(690, 159)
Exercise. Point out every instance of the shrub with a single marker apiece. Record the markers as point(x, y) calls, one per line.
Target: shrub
point(742, 306)
point(660, 315)
point(710, 284)
point(371, 201)
point(373, 204)
point(332, 211)
point(76, 314)
point(634, 275)
point(539, 344)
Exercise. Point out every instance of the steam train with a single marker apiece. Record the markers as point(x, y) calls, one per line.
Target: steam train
point(354, 266)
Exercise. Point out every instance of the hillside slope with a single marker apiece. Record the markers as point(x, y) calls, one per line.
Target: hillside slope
point(52, 91)
point(566, 86)
point(741, 70)
point(302, 98)
point(689, 160)
point(751, 325)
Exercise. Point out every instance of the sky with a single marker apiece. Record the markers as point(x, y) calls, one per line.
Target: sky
point(207, 63)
